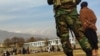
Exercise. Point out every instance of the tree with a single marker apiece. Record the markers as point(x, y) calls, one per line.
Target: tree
point(7, 42)
point(46, 42)
point(31, 39)
point(18, 41)
point(38, 39)
point(14, 41)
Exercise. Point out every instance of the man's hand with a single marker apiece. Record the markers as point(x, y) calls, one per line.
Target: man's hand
point(93, 27)
point(50, 2)
point(78, 1)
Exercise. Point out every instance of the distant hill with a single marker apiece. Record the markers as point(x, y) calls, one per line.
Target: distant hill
point(6, 34)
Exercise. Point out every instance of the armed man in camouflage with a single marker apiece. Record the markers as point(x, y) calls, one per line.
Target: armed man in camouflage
point(66, 18)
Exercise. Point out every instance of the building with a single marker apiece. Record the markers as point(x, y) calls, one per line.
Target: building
point(42, 43)
point(1, 45)
point(52, 42)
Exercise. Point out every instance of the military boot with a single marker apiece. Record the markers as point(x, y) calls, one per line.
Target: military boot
point(69, 54)
point(88, 52)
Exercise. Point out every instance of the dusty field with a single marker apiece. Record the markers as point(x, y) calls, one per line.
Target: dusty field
point(76, 53)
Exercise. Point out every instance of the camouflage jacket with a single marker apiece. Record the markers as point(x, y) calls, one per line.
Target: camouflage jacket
point(65, 7)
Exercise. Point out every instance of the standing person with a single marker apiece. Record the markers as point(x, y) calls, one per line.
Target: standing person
point(49, 48)
point(23, 50)
point(8, 54)
point(66, 18)
point(89, 19)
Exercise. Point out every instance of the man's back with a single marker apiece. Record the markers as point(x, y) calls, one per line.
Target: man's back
point(88, 14)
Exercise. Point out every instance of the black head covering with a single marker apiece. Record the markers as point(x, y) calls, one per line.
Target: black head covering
point(84, 4)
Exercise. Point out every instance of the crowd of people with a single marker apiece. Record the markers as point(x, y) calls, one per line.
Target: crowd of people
point(14, 51)
point(23, 50)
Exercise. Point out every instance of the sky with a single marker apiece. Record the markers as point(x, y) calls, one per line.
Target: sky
point(34, 16)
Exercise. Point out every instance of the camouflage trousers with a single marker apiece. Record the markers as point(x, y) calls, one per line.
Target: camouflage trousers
point(64, 23)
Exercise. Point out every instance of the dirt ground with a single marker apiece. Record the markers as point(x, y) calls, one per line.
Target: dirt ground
point(77, 52)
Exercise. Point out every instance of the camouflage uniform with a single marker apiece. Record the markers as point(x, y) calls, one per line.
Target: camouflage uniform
point(66, 18)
